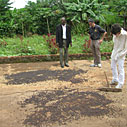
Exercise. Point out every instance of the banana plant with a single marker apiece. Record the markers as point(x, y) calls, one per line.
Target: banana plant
point(85, 9)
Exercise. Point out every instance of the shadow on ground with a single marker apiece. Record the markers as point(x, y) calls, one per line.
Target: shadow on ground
point(62, 106)
point(44, 75)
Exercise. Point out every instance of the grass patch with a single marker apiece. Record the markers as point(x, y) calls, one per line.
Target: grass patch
point(106, 46)
point(77, 44)
point(34, 45)
point(39, 45)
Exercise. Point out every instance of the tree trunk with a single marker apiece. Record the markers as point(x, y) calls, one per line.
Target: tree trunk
point(125, 22)
point(23, 30)
point(81, 17)
point(48, 26)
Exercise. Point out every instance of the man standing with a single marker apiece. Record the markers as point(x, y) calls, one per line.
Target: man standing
point(95, 32)
point(118, 55)
point(63, 40)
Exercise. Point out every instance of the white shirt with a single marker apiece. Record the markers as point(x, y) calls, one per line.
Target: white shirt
point(120, 46)
point(64, 31)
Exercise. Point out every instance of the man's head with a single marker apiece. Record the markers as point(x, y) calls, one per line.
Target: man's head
point(116, 29)
point(91, 22)
point(63, 21)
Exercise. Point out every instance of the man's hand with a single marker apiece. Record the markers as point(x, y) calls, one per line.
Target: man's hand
point(57, 44)
point(116, 58)
point(71, 44)
point(100, 41)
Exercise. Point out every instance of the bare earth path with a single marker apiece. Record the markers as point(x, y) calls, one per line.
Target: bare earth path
point(45, 95)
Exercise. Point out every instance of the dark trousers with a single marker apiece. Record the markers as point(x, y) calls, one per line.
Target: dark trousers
point(64, 55)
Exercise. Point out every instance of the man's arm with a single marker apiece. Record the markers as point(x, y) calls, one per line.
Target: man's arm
point(104, 33)
point(124, 51)
point(101, 40)
point(57, 40)
point(70, 37)
point(89, 37)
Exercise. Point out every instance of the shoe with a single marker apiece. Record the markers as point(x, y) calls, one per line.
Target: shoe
point(93, 65)
point(66, 65)
point(62, 66)
point(99, 65)
point(114, 83)
point(118, 86)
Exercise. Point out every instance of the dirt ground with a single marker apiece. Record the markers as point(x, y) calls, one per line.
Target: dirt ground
point(46, 95)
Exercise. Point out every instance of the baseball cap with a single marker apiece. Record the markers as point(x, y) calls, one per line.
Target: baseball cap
point(90, 20)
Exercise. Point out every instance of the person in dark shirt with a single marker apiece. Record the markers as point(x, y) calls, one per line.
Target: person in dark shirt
point(95, 32)
point(63, 40)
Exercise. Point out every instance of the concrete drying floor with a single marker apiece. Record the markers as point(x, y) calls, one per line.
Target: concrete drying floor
point(46, 95)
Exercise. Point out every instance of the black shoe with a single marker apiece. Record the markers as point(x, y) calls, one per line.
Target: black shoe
point(66, 65)
point(62, 66)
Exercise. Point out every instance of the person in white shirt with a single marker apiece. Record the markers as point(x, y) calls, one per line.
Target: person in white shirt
point(118, 55)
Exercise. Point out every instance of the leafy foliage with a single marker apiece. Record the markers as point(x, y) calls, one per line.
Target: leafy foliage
point(43, 16)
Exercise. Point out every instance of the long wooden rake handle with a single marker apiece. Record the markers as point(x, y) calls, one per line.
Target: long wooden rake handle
point(107, 80)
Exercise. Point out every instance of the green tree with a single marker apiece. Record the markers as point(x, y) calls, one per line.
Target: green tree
point(121, 8)
point(4, 7)
point(44, 14)
point(78, 12)
point(4, 17)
